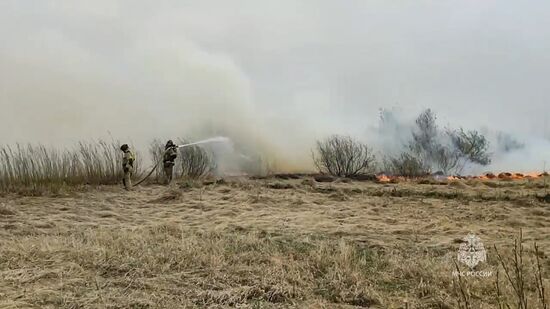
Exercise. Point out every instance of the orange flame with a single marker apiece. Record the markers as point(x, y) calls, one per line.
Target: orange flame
point(383, 178)
point(514, 176)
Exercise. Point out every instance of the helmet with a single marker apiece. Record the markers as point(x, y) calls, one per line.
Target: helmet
point(124, 147)
point(169, 144)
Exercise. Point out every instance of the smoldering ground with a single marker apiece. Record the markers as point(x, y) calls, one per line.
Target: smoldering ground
point(272, 77)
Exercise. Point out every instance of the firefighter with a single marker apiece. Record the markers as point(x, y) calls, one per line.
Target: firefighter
point(169, 158)
point(128, 159)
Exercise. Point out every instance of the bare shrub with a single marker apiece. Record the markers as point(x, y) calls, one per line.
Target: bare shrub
point(447, 159)
point(195, 162)
point(406, 164)
point(156, 151)
point(343, 156)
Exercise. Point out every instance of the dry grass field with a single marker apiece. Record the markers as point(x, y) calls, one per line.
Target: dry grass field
point(271, 243)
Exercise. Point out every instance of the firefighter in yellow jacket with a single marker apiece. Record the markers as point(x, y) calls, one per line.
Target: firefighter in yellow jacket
point(128, 159)
point(169, 158)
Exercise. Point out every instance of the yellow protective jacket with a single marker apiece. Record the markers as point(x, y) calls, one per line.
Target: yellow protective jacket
point(128, 160)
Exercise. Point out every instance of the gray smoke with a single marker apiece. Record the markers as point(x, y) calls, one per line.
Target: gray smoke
point(509, 151)
point(273, 76)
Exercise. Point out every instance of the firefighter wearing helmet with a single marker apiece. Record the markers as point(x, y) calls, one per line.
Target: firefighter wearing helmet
point(169, 158)
point(128, 159)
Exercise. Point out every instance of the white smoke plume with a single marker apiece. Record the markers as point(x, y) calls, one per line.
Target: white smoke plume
point(273, 77)
point(509, 151)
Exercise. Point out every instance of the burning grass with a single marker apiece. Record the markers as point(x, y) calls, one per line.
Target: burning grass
point(37, 169)
point(506, 176)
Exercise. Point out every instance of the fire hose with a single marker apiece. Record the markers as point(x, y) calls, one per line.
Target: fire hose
point(150, 173)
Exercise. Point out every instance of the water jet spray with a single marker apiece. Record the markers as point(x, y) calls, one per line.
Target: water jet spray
point(217, 139)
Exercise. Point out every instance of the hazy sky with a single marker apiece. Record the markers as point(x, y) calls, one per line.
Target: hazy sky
point(285, 71)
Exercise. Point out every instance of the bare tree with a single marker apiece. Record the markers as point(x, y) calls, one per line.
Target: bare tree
point(470, 147)
point(425, 142)
point(343, 156)
point(448, 151)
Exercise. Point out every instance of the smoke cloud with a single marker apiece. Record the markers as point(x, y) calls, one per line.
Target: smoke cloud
point(274, 77)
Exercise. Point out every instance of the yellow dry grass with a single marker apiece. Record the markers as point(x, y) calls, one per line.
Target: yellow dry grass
point(267, 243)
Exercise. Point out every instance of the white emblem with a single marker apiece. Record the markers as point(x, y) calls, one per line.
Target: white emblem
point(471, 251)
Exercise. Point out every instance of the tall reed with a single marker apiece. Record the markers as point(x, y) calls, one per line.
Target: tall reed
point(39, 166)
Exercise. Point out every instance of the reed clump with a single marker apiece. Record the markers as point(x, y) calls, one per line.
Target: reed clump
point(39, 167)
